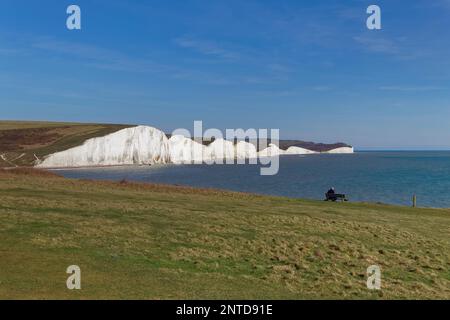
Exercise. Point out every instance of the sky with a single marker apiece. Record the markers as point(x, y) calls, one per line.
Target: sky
point(309, 68)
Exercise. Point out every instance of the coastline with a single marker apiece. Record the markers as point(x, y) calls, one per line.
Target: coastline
point(371, 177)
point(136, 183)
point(186, 164)
point(218, 190)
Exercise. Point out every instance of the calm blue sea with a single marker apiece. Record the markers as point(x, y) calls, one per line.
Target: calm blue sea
point(388, 177)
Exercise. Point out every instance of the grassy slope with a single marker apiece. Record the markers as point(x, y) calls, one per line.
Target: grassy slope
point(137, 241)
point(21, 140)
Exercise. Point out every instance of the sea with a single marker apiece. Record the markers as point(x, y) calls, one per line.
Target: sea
point(390, 177)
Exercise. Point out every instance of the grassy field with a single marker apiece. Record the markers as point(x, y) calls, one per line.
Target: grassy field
point(21, 142)
point(167, 242)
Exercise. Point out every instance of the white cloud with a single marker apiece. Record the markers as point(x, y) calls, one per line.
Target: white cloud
point(206, 48)
point(409, 88)
point(380, 45)
point(99, 57)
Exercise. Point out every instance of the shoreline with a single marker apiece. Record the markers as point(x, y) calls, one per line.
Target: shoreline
point(192, 163)
point(338, 171)
point(126, 181)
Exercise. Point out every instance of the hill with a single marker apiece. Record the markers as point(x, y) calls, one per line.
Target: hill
point(137, 241)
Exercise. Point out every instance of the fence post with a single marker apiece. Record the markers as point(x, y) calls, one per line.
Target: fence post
point(414, 201)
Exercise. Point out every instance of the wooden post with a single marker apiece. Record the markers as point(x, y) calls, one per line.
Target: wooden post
point(414, 201)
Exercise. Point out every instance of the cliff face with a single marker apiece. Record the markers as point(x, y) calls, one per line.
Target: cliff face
point(298, 150)
point(317, 147)
point(144, 145)
point(24, 142)
point(218, 150)
point(341, 150)
point(137, 145)
point(271, 151)
point(185, 151)
point(246, 150)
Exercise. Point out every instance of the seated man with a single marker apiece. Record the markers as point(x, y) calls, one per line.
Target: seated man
point(331, 195)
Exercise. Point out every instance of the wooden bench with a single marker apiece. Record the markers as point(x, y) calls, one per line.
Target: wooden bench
point(335, 197)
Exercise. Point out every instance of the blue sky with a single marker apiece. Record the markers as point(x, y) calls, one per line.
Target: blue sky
point(310, 68)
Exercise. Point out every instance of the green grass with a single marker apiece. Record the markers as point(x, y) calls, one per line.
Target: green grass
point(135, 241)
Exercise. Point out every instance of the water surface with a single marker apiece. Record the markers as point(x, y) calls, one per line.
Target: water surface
point(388, 177)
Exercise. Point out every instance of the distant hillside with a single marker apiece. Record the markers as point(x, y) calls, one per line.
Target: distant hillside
point(285, 144)
point(319, 147)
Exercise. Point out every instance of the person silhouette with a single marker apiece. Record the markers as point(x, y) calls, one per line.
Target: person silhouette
point(331, 195)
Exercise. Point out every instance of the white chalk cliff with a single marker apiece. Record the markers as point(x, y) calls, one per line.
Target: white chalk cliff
point(341, 150)
point(271, 151)
point(299, 150)
point(185, 150)
point(246, 150)
point(145, 145)
point(219, 150)
point(137, 145)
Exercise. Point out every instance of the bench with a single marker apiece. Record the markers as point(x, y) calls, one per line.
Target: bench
point(335, 197)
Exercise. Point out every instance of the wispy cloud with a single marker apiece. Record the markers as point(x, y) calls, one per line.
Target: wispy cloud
point(321, 88)
point(410, 88)
point(105, 59)
point(380, 45)
point(98, 57)
point(9, 51)
point(440, 3)
point(206, 47)
point(279, 68)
